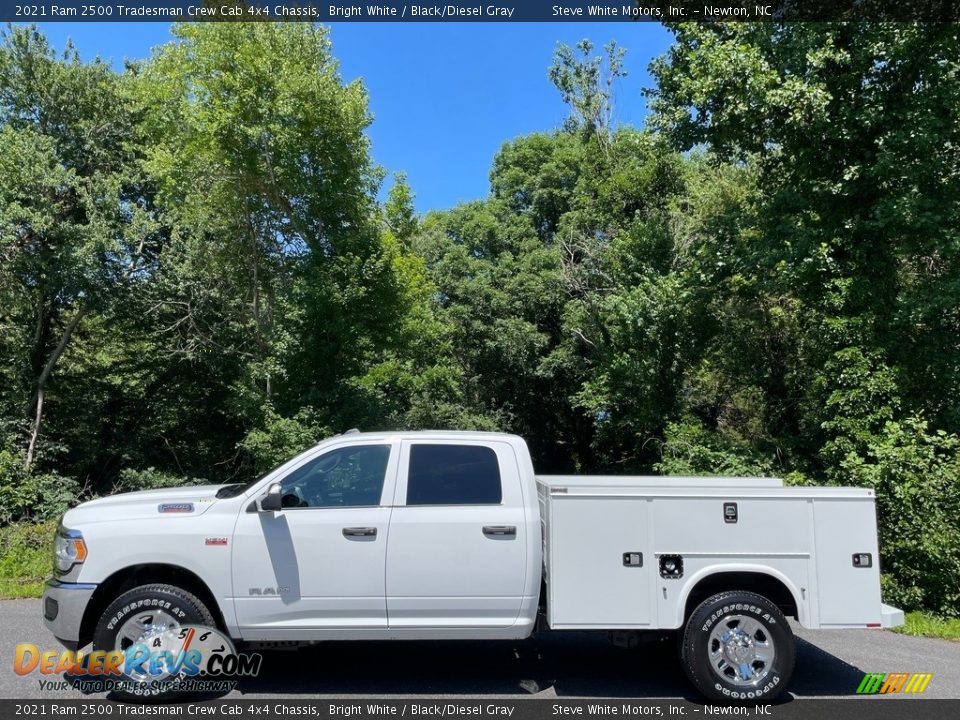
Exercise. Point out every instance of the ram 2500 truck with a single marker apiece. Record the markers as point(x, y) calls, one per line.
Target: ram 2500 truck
point(430, 535)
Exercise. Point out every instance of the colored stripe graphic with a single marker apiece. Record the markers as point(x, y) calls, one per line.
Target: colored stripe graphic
point(870, 684)
point(918, 682)
point(891, 683)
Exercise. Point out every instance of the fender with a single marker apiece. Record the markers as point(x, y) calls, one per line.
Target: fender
point(803, 611)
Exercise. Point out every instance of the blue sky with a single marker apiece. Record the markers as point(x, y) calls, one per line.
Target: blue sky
point(445, 96)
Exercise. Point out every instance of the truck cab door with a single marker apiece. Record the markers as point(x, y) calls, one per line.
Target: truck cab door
point(457, 556)
point(314, 569)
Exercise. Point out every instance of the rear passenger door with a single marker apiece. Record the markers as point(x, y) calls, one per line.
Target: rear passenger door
point(456, 556)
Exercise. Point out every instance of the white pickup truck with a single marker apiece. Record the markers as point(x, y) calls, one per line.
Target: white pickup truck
point(427, 535)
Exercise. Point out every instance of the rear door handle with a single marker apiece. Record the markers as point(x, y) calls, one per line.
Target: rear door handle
point(497, 530)
point(360, 532)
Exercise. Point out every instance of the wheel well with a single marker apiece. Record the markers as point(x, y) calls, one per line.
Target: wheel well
point(136, 575)
point(757, 582)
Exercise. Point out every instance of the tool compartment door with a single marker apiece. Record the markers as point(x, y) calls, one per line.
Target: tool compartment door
point(848, 593)
point(600, 562)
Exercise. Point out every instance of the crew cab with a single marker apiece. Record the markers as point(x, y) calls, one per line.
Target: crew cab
point(452, 535)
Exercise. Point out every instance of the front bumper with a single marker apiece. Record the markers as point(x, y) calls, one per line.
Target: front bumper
point(63, 606)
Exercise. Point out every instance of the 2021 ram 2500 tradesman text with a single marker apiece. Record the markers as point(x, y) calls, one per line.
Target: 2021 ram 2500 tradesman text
point(429, 535)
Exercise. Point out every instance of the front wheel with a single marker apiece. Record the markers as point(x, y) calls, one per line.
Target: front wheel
point(738, 646)
point(147, 614)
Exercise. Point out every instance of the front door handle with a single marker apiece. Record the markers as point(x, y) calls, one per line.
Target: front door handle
point(360, 532)
point(499, 530)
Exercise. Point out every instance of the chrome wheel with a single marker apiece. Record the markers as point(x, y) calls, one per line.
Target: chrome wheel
point(741, 650)
point(146, 627)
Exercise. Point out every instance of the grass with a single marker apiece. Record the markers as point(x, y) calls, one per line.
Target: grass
point(919, 623)
point(25, 559)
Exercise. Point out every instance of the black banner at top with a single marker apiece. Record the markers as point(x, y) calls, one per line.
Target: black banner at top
point(479, 10)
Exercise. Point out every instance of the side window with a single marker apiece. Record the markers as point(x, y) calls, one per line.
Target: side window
point(453, 475)
point(346, 477)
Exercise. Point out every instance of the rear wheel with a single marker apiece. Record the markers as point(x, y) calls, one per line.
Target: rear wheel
point(738, 646)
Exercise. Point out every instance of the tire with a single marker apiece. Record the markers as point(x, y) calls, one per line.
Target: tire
point(738, 646)
point(169, 604)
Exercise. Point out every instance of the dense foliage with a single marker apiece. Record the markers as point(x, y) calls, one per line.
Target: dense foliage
point(197, 280)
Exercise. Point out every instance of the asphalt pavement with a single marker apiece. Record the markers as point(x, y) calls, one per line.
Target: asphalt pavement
point(830, 663)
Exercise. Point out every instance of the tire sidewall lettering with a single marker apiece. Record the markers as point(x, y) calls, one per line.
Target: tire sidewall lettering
point(726, 610)
point(754, 694)
point(145, 604)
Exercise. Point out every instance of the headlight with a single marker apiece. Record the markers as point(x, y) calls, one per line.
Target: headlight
point(69, 549)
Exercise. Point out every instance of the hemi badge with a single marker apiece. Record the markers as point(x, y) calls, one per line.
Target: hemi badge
point(176, 508)
point(216, 541)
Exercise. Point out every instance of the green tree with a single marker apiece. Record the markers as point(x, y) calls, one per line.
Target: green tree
point(851, 127)
point(840, 285)
point(586, 83)
point(399, 213)
point(279, 289)
point(76, 216)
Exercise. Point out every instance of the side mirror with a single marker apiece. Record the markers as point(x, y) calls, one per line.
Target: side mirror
point(271, 502)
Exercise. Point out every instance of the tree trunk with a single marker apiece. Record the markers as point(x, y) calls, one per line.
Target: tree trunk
point(42, 382)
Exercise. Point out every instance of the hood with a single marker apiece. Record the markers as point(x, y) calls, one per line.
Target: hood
point(145, 504)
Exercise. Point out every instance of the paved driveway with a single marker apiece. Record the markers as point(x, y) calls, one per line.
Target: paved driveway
point(829, 663)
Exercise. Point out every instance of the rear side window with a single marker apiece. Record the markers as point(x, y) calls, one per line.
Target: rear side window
point(453, 475)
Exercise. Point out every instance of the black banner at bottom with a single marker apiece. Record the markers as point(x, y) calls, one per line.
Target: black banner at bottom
point(463, 708)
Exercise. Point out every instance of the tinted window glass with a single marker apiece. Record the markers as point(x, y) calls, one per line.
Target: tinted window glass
point(346, 477)
point(453, 475)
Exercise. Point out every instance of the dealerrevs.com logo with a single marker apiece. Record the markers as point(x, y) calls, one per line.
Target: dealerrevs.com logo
point(190, 658)
point(890, 683)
